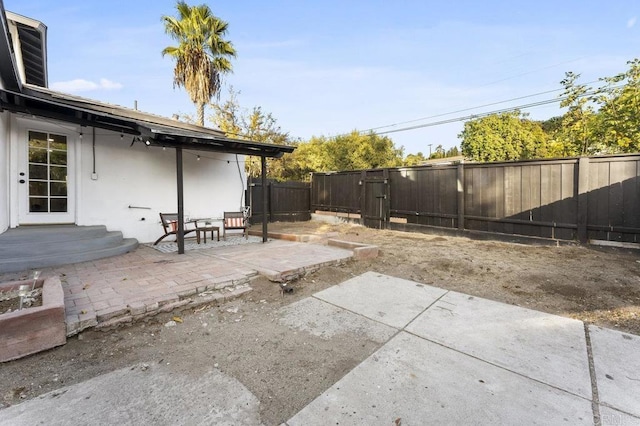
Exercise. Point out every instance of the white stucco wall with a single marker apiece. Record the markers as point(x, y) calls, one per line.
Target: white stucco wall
point(4, 171)
point(141, 176)
point(136, 176)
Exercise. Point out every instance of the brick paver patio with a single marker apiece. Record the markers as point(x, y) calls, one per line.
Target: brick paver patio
point(120, 289)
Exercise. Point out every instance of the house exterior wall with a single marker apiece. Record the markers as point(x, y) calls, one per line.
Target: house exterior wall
point(136, 183)
point(4, 171)
point(130, 184)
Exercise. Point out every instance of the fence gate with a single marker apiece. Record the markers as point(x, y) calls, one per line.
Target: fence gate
point(375, 201)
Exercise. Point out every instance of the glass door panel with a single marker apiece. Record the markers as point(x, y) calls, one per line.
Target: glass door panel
point(47, 173)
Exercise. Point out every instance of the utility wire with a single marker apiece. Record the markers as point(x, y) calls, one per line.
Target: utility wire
point(469, 117)
point(484, 114)
point(467, 109)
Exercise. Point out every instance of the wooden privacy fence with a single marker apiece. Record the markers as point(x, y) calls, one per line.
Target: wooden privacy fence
point(287, 201)
point(587, 198)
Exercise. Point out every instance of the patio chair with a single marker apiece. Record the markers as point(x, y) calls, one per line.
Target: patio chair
point(169, 222)
point(234, 221)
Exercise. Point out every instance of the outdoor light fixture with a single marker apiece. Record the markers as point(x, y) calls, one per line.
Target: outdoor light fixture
point(147, 142)
point(80, 134)
point(198, 158)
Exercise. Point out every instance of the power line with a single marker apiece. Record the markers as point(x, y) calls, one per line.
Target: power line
point(468, 109)
point(484, 114)
point(462, 110)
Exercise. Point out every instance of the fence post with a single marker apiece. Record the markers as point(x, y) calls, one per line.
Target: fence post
point(583, 190)
point(387, 199)
point(363, 192)
point(460, 179)
point(269, 190)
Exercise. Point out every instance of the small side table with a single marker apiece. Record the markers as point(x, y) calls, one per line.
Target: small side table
point(204, 230)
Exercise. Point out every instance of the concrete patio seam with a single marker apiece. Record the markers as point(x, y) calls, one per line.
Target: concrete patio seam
point(358, 314)
point(400, 330)
point(586, 397)
point(595, 398)
point(604, 404)
point(498, 366)
point(426, 309)
point(382, 323)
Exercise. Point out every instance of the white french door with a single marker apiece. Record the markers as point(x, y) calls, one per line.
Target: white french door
point(45, 181)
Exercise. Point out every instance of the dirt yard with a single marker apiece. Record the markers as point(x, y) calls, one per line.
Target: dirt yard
point(286, 369)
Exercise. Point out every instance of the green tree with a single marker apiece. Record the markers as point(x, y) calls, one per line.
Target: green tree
point(259, 126)
point(552, 125)
point(577, 130)
point(618, 119)
point(452, 152)
point(438, 153)
point(227, 116)
point(353, 151)
point(356, 151)
point(311, 156)
point(505, 136)
point(202, 54)
point(414, 159)
point(255, 125)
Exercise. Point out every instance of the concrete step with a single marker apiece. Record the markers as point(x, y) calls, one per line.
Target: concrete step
point(32, 247)
point(35, 248)
point(50, 233)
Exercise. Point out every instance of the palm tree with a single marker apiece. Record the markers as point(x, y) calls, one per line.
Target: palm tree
point(202, 55)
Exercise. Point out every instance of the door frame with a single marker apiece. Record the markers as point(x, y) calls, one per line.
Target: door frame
point(20, 143)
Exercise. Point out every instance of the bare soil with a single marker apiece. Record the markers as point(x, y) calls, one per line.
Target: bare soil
point(286, 369)
point(10, 300)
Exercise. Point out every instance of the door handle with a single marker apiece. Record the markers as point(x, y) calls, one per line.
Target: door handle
point(22, 181)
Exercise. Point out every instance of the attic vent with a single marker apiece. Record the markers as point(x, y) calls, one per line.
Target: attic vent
point(32, 55)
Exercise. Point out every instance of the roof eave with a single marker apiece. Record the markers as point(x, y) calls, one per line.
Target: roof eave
point(152, 130)
point(8, 67)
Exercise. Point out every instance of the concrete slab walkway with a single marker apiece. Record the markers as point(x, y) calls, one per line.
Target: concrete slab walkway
point(121, 289)
point(458, 359)
point(144, 394)
point(445, 358)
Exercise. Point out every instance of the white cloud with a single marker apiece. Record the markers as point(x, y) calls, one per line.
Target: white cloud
point(109, 85)
point(631, 22)
point(81, 85)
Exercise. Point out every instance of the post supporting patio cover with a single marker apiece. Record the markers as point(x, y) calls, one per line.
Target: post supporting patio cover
point(179, 173)
point(180, 184)
point(265, 198)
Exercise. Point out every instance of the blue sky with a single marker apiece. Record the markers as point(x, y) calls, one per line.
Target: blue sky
point(327, 67)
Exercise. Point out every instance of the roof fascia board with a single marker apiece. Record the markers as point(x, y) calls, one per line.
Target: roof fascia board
point(8, 68)
point(117, 110)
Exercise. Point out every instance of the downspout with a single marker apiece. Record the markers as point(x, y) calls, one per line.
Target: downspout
point(94, 176)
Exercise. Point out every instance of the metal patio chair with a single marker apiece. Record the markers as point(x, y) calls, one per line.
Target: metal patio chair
point(169, 222)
